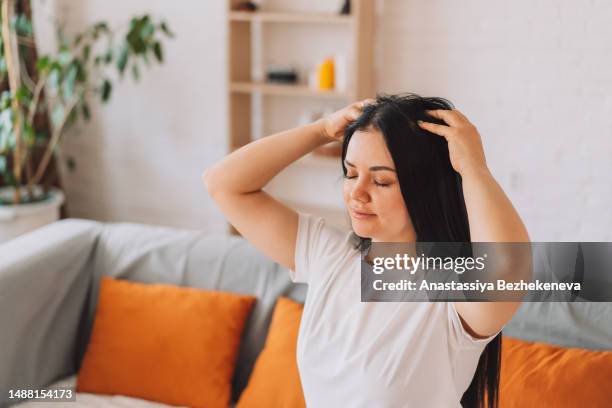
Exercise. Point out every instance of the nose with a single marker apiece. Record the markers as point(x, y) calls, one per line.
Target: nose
point(359, 191)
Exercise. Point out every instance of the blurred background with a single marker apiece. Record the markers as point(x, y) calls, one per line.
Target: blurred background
point(534, 76)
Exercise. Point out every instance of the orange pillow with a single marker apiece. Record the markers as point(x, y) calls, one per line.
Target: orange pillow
point(275, 381)
point(543, 375)
point(164, 343)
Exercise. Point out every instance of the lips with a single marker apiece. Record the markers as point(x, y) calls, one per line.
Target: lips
point(361, 214)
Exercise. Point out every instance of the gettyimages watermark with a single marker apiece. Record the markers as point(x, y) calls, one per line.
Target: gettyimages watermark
point(486, 271)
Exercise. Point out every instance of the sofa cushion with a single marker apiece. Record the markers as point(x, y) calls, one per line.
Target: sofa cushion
point(164, 343)
point(542, 375)
point(275, 380)
point(152, 254)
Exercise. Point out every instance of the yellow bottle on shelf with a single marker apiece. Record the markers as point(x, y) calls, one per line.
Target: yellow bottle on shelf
point(326, 74)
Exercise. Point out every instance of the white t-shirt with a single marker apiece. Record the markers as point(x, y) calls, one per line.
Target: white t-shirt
point(372, 354)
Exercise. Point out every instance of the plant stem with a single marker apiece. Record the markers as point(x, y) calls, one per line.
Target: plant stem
point(36, 98)
point(32, 109)
point(29, 177)
point(11, 53)
point(55, 137)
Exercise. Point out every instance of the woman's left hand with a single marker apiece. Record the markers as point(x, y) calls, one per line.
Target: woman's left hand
point(464, 143)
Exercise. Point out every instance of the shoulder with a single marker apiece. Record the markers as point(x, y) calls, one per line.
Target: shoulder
point(314, 229)
point(319, 245)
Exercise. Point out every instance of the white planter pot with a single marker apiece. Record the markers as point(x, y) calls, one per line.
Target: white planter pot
point(19, 219)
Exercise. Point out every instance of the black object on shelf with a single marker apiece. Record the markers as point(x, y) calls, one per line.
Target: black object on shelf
point(346, 7)
point(282, 75)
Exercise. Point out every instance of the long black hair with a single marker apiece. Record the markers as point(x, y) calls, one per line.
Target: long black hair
point(432, 191)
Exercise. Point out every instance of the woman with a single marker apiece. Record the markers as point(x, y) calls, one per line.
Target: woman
point(414, 170)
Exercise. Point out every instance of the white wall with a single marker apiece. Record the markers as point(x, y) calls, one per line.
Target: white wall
point(142, 156)
point(534, 76)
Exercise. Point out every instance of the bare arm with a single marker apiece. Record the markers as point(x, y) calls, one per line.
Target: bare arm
point(251, 167)
point(235, 183)
point(492, 217)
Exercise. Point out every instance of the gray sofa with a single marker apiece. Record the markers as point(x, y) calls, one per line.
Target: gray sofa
point(49, 281)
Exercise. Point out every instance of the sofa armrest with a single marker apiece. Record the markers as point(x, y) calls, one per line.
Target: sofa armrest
point(44, 280)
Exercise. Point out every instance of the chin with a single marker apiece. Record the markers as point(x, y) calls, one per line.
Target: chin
point(361, 230)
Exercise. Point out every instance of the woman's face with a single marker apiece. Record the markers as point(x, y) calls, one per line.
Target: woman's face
point(372, 193)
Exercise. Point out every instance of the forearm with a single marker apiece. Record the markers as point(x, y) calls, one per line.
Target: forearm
point(491, 215)
point(492, 218)
point(252, 166)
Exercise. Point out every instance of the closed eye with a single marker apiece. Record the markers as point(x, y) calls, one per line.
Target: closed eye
point(375, 182)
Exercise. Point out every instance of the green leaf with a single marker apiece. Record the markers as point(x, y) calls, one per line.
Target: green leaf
point(53, 80)
point(72, 117)
point(86, 52)
point(135, 72)
point(107, 88)
point(166, 30)
point(145, 57)
point(77, 40)
point(64, 57)
point(134, 22)
point(85, 111)
point(81, 71)
point(157, 49)
point(69, 81)
point(57, 115)
point(70, 163)
point(101, 27)
point(123, 59)
point(135, 42)
point(22, 95)
point(5, 100)
point(7, 136)
point(2, 164)
point(108, 57)
point(22, 25)
point(147, 29)
point(43, 63)
point(28, 133)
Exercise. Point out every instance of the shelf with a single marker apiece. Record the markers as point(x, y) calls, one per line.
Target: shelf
point(288, 17)
point(284, 89)
point(314, 183)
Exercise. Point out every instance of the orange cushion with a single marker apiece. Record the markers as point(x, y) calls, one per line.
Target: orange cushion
point(275, 381)
point(543, 375)
point(164, 343)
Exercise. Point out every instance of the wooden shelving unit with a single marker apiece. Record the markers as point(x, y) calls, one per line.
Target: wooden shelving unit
point(243, 89)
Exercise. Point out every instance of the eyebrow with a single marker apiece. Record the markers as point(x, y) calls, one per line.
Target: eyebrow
point(373, 168)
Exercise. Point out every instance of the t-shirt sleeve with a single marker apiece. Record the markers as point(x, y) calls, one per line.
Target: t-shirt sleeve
point(315, 244)
point(459, 336)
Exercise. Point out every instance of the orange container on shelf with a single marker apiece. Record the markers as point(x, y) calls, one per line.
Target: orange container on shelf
point(326, 74)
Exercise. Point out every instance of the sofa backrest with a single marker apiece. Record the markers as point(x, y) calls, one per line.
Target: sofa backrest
point(153, 254)
point(49, 282)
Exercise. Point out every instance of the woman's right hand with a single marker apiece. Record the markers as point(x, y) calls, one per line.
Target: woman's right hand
point(335, 123)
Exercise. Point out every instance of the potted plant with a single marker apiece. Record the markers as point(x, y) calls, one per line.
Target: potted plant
point(57, 87)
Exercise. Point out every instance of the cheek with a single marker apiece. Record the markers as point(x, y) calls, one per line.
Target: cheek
point(393, 208)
